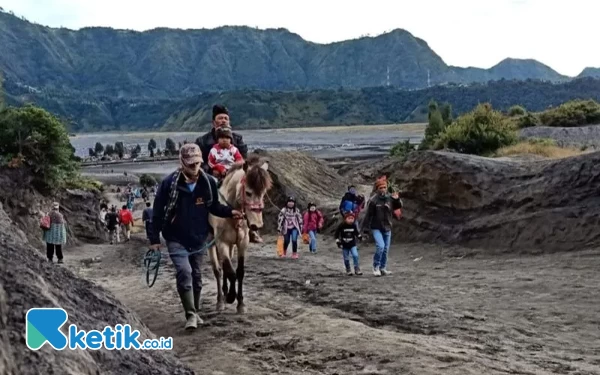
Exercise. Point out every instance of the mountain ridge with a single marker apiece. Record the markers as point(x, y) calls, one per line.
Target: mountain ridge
point(167, 62)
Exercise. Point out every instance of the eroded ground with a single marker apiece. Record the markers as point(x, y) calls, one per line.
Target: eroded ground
point(441, 312)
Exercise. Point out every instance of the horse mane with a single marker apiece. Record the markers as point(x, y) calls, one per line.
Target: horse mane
point(258, 179)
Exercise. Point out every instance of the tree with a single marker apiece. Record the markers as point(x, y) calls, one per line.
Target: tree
point(136, 151)
point(119, 149)
point(2, 104)
point(170, 147)
point(99, 149)
point(436, 125)
point(152, 147)
point(38, 140)
point(147, 180)
point(179, 145)
point(91, 152)
point(109, 150)
point(446, 112)
point(516, 110)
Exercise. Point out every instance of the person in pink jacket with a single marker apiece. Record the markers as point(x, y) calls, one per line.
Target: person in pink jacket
point(313, 223)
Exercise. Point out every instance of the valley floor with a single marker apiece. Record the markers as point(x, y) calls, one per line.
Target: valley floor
point(442, 311)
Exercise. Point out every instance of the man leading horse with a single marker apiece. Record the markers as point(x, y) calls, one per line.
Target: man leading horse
point(220, 118)
point(182, 205)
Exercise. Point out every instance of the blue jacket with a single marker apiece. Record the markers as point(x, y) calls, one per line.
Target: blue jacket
point(189, 225)
point(349, 203)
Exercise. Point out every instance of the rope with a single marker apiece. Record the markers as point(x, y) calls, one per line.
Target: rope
point(153, 257)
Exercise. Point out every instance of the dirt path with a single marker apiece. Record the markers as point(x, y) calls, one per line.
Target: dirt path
point(438, 314)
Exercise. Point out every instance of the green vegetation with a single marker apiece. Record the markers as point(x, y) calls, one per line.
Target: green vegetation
point(32, 137)
point(573, 113)
point(147, 180)
point(516, 110)
point(480, 132)
point(402, 149)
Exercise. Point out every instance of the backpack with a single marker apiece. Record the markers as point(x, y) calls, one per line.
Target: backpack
point(45, 222)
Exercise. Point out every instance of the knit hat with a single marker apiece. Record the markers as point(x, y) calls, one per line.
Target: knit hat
point(381, 182)
point(224, 131)
point(219, 109)
point(291, 199)
point(190, 153)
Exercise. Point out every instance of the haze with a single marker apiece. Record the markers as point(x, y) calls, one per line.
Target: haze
point(561, 34)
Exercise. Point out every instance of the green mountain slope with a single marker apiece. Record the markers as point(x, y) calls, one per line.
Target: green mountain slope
point(167, 63)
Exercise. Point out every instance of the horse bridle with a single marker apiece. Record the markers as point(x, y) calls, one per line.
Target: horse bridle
point(253, 206)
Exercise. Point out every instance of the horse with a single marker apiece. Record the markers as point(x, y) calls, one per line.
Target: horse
point(243, 188)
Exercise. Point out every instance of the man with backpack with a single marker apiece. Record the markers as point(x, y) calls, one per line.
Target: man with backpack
point(112, 224)
point(181, 208)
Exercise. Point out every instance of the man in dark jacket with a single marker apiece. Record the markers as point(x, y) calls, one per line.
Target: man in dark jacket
point(220, 118)
point(379, 220)
point(181, 208)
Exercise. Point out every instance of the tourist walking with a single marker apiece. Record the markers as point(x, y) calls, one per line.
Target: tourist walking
point(346, 238)
point(55, 235)
point(378, 219)
point(289, 223)
point(313, 223)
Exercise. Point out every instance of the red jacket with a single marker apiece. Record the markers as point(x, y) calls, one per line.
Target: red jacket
point(125, 217)
point(312, 221)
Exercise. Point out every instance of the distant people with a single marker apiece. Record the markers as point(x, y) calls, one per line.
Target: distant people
point(126, 219)
point(130, 200)
point(147, 219)
point(223, 154)
point(112, 224)
point(351, 202)
point(346, 238)
point(102, 217)
point(379, 220)
point(56, 234)
point(290, 226)
point(313, 223)
point(145, 194)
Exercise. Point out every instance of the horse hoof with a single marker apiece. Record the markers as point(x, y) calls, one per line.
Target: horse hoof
point(220, 306)
point(231, 297)
point(241, 309)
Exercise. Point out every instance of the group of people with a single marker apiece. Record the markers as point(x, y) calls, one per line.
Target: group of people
point(116, 221)
point(381, 208)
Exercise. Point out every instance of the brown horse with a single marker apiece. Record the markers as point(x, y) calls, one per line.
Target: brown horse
point(243, 188)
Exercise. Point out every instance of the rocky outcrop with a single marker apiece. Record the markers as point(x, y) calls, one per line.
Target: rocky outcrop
point(25, 205)
point(587, 137)
point(306, 178)
point(27, 280)
point(499, 204)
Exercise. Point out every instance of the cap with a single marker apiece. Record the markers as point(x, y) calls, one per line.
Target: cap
point(190, 153)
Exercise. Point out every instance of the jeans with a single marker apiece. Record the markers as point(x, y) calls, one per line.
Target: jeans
point(292, 234)
point(346, 253)
point(188, 267)
point(382, 246)
point(148, 229)
point(313, 241)
point(50, 251)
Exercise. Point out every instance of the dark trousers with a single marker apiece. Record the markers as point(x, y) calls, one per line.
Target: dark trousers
point(50, 251)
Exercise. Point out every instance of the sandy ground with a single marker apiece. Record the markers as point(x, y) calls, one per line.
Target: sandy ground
point(443, 311)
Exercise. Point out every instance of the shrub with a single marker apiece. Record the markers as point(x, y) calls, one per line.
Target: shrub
point(402, 149)
point(527, 121)
point(573, 113)
point(480, 132)
point(147, 181)
point(516, 110)
point(40, 142)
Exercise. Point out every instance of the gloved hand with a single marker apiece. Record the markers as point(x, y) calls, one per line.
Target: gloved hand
point(338, 243)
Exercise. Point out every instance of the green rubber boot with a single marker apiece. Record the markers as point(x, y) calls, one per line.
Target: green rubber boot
point(187, 300)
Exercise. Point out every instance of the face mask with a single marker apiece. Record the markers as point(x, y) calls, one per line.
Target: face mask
point(191, 171)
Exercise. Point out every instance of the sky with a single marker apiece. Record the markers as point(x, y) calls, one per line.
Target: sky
point(563, 34)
